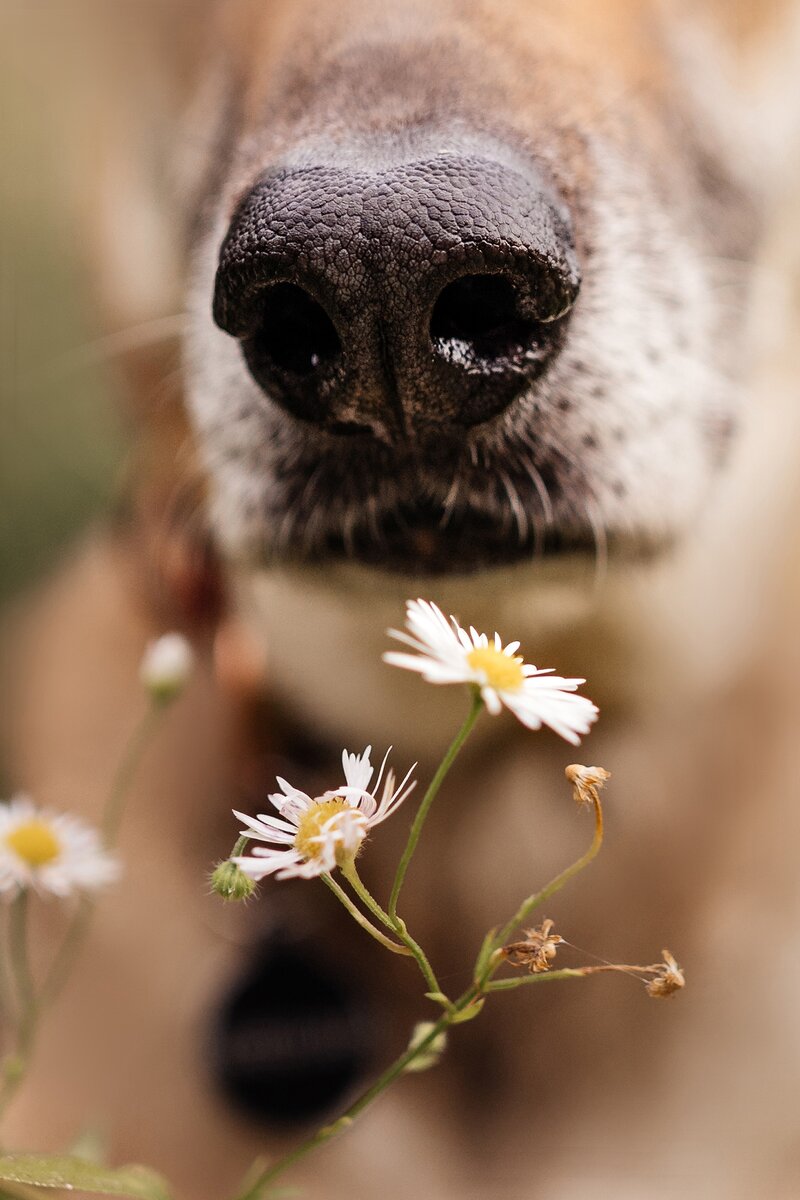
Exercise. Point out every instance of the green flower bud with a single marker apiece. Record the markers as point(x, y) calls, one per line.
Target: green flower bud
point(231, 883)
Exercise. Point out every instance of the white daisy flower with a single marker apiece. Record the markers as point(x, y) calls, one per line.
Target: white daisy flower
point(319, 834)
point(446, 653)
point(53, 853)
point(166, 666)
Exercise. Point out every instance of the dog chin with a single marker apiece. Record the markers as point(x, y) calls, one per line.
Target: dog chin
point(324, 629)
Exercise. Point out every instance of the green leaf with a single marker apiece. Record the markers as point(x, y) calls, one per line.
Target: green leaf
point(439, 998)
point(468, 1014)
point(75, 1174)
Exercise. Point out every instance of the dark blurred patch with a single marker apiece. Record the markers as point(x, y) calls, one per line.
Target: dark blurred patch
point(293, 1038)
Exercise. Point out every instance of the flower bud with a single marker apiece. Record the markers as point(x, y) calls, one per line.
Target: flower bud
point(230, 882)
point(432, 1053)
point(166, 667)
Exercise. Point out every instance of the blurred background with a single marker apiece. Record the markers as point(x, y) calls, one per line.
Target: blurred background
point(61, 441)
point(64, 351)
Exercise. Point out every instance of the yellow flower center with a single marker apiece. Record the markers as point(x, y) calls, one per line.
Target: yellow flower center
point(499, 670)
point(34, 842)
point(311, 823)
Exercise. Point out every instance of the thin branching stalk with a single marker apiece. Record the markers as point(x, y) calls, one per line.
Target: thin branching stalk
point(30, 1003)
point(15, 1066)
point(428, 799)
point(255, 1190)
point(396, 925)
point(124, 775)
point(508, 985)
point(361, 919)
point(555, 885)
point(112, 819)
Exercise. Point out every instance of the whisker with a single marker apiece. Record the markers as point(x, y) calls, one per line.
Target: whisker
point(112, 345)
point(601, 547)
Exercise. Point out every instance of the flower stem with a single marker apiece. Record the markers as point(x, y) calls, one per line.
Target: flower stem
point(255, 1190)
point(428, 799)
point(70, 947)
point(361, 919)
point(397, 925)
point(124, 775)
point(507, 985)
point(32, 1005)
point(555, 885)
point(112, 818)
point(21, 968)
point(15, 1064)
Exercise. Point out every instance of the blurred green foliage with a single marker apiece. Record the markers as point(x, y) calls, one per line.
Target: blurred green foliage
point(59, 437)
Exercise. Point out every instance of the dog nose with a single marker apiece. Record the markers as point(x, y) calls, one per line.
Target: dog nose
point(392, 300)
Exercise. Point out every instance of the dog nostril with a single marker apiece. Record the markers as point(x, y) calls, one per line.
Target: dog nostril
point(483, 312)
point(294, 333)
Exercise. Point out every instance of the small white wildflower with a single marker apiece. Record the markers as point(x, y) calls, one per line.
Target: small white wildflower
point(53, 853)
point(166, 667)
point(319, 834)
point(446, 653)
point(432, 1054)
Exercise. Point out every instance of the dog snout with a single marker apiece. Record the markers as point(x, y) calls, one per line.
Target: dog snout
point(388, 300)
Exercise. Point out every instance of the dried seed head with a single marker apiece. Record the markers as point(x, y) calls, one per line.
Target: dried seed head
point(667, 979)
point(586, 782)
point(537, 951)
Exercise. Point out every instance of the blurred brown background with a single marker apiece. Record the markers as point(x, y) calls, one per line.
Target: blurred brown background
point(60, 446)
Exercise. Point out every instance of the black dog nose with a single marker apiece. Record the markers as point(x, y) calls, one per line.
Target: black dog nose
point(425, 294)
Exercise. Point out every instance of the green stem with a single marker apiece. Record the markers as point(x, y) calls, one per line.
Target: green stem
point(507, 985)
point(15, 1066)
point(397, 926)
point(6, 991)
point(21, 968)
point(555, 885)
point(255, 1190)
point(30, 1004)
point(112, 818)
point(124, 775)
point(239, 846)
point(428, 799)
point(361, 919)
point(70, 947)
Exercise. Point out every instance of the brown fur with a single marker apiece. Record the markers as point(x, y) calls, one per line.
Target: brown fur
point(589, 1090)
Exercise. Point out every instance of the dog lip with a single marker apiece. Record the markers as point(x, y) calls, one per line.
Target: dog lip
point(425, 543)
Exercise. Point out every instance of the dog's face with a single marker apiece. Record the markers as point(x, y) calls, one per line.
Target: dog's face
point(454, 295)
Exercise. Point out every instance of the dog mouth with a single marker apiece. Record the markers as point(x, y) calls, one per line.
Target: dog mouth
point(425, 540)
point(462, 515)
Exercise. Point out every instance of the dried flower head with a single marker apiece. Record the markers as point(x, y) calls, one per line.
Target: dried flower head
point(54, 853)
point(446, 653)
point(537, 951)
point(166, 667)
point(668, 978)
point(317, 834)
point(586, 782)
